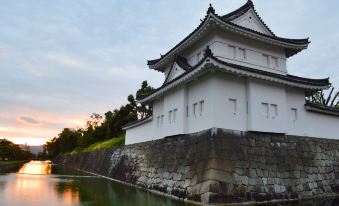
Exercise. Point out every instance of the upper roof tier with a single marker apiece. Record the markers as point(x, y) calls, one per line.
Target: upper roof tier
point(244, 21)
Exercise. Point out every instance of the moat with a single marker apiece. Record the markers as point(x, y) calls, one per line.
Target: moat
point(41, 183)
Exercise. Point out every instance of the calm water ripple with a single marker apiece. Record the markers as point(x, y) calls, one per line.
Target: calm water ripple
point(40, 184)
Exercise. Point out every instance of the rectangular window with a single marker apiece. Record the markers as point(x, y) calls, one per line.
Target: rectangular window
point(265, 111)
point(274, 110)
point(274, 62)
point(158, 121)
point(241, 54)
point(170, 116)
point(233, 106)
point(231, 50)
point(294, 114)
point(162, 120)
point(195, 105)
point(187, 111)
point(201, 107)
point(174, 115)
point(266, 60)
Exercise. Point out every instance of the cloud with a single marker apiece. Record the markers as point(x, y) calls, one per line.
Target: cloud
point(4, 53)
point(29, 120)
point(66, 60)
point(63, 60)
point(2, 129)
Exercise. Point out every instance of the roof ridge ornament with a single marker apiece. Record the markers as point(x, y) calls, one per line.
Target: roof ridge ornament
point(208, 52)
point(250, 2)
point(211, 9)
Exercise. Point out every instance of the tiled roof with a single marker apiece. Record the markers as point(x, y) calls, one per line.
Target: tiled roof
point(290, 78)
point(182, 62)
point(225, 20)
point(242, 10)
point(137, 122)
point(321, 109)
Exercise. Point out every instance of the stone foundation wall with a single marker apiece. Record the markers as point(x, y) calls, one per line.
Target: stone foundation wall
point(222, 166)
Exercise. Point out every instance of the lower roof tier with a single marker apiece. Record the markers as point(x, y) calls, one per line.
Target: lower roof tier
point(212, 63)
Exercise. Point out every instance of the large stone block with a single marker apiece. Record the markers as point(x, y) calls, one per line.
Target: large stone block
point(218, 175)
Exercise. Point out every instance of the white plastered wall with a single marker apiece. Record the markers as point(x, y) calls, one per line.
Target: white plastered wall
point(266, 106)
point(308, 123)
point(174, 102)
point(141, 133)
point(200, 90)
point(216, 89)
point(229, 102)
point(222, 43)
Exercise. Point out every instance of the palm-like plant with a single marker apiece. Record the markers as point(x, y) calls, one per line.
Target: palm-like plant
point(325, 100)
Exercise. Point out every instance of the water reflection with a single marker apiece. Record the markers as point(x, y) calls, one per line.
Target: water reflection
point(104, 192)
point(36, 168)
point(59, 186)
point(314, 202)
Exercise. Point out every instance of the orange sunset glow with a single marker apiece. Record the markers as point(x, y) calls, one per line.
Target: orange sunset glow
point(34, 185)
point(32, 129)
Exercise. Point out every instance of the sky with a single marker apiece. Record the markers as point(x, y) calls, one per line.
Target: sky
point(62, 60)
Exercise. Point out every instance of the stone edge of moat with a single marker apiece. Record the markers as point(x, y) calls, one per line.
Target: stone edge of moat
point(145, 166)
point(323, 197)
point(9, 167)
point(137, 187)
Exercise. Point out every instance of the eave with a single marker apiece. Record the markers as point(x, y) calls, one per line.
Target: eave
point(322, 109)
point(211, 63)
point(181, 62)
point(138, 122)
point(213, 21)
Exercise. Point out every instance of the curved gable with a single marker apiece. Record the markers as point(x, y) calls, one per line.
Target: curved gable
point(235, 22)
point(251, 21)
point(174, 72)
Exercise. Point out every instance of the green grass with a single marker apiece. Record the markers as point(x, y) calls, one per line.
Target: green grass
point(114, 142)
point(7, 162)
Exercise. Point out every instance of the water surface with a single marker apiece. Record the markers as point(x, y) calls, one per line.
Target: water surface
point(39, 184)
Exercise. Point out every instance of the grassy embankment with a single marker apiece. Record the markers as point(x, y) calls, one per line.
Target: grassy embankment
point(8, 162)
point(114, 142)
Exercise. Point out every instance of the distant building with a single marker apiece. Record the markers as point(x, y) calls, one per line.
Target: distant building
point(231, 73)
point(24, 147)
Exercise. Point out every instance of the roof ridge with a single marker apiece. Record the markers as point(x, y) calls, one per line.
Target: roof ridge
point(243, 9)
point(211, 13)
point(249, 4)
point(210, 10)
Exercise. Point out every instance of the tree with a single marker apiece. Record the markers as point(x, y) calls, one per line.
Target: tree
point(94, 121)
point(11, 151)
point(99, 128)
point(6, 149)
point(321, 99)
point(68, 139)
point(144, 110)
point(52, 148)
